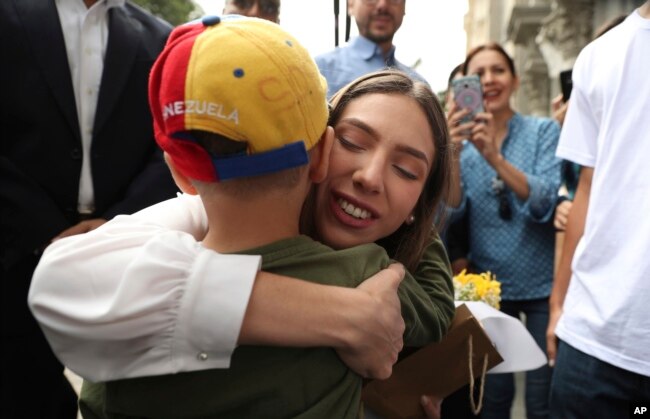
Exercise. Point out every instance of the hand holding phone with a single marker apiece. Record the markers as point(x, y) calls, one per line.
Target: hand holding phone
point(468, 94)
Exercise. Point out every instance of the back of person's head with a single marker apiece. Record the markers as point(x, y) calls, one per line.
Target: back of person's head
point(263, 9)
point(449, 93)
point(408, 242)
point(237, 100)
point(490, 46)
point(455, 72)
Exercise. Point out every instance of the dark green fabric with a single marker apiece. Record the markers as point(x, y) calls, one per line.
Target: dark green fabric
point(272, 382)
point(91, 400)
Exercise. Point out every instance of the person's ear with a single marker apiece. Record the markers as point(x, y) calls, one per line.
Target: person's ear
point(351, 7)
point(516, 83)
point(320, 157)
point(182, 181)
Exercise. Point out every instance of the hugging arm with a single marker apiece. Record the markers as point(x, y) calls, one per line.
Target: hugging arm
point(140, 296)
point(428, 297)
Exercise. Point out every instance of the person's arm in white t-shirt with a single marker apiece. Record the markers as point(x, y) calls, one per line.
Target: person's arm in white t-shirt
point(574, 231)
point(140, 296)
point(578, 143)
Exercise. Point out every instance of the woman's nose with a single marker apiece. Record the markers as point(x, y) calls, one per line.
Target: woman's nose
point(370, 177)
point(487, 77)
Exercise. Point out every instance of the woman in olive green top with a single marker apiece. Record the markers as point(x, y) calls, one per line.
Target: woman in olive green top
point(388, 172)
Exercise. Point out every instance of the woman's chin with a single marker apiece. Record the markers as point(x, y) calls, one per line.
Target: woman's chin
point(343, 239)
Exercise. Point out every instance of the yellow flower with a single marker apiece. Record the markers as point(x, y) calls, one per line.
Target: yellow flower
point(477, 287)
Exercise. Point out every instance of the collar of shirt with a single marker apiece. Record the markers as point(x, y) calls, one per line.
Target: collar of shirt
point(75, 3)
point(367, 49)
point(514, 124)
point(115, 3)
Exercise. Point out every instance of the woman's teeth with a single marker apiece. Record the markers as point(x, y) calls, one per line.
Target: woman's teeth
point(350, 209)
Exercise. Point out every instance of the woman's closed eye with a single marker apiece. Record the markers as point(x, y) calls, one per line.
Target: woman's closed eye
point(405, 173)
point(348, 144)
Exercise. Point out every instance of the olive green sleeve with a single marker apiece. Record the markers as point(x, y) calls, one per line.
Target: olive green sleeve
point(427, 297)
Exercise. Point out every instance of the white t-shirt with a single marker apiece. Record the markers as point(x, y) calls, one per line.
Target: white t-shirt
point(141, 296)
point(607, 127)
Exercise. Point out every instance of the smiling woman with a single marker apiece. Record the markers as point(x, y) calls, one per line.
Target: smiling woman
point(509, 183)
point(380, 168)
point(390, 163)
point(390, 179)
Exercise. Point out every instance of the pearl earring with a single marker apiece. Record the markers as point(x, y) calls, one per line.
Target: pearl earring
point(410, 220)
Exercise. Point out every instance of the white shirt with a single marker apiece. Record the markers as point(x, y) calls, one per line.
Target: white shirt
point(607, 127)
point(139, 297)
point(85, 31)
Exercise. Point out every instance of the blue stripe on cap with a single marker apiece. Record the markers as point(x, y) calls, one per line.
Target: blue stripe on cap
point(287, 157)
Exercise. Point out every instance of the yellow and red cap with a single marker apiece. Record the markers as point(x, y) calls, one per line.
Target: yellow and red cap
point(245, 79)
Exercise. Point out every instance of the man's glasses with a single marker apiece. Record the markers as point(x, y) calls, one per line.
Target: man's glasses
point(374, 2)
point(267, 7)
point(499, 188)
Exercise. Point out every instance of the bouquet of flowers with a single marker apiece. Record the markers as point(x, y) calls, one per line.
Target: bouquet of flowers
point(477, 287)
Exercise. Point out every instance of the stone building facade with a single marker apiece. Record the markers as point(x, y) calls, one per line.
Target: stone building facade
point(543, 36)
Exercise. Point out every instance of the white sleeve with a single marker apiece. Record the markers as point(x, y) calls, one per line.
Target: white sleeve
point(579, 134)
point(184, 213)
point(133, 298)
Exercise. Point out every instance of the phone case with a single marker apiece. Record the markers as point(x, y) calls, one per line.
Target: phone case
point(468, 94)
point(566, 84)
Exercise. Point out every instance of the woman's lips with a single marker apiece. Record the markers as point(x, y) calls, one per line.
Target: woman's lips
point(491, 95)
point(350, 213)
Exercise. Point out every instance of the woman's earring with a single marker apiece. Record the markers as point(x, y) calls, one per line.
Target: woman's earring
point(410, 220)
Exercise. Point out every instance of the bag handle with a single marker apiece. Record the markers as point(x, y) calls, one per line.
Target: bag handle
point(476, 409)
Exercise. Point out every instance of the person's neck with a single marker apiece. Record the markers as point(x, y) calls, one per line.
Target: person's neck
point(384, 46)
point(644, 10)
point(236, 224)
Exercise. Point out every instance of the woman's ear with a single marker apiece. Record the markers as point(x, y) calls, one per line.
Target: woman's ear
point(182, 181)
point(320, 156)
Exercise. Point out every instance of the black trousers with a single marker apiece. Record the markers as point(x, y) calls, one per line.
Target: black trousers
point(33, 384)
point(457, 405)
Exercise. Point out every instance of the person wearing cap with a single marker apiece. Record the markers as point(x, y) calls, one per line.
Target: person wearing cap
point(77, 149)
point(247, 130)
point(372, 50)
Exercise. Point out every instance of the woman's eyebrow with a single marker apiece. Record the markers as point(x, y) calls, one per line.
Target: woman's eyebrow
point(361, 125)
point(413, 152)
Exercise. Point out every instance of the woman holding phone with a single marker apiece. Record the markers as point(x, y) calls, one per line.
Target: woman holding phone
point(507, 184)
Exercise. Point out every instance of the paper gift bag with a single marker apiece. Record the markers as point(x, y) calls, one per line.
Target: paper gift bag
point(437, 369)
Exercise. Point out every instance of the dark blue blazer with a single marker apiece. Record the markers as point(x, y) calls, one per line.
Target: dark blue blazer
point(40, 151)
point(40, 142)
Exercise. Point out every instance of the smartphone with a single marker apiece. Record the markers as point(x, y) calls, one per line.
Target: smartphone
point(468, 94)
point(566, 84)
